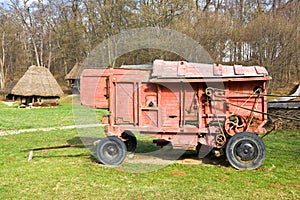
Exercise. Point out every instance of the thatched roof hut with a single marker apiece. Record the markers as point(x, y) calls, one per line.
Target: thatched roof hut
point(74, 73)
point(37, 81)
point(73, 77)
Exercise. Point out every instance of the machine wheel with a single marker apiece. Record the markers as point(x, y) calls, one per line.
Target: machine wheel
point(130, 142)
point(111, 151)
point(245, 151)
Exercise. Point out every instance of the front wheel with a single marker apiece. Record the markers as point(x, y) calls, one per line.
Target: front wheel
point(111, 151)
point(245, 151)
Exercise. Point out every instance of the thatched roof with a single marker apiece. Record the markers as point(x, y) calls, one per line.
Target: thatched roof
point(74, 73)
point(8, 88)
point(37, 81)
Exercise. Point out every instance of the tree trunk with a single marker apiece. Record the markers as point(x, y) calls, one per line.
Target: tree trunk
point(2, 62)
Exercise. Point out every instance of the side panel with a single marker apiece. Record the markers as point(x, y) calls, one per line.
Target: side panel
point(88, 90)
point(148, 100)
point(101, 96)
point(239, 95)
point(93, 88)
point(170, 105)
point(190, 104)
point(124, 106)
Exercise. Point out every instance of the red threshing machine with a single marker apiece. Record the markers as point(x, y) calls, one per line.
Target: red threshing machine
point(183, 104)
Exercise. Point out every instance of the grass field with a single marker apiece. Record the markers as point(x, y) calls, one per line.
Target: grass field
point(12, 118)
point(74, 174)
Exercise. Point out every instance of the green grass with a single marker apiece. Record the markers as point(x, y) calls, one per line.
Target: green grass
point(73, 173)
point(14, 118)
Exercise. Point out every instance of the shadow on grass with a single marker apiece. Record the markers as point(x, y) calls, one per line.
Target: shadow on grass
point(192, 158)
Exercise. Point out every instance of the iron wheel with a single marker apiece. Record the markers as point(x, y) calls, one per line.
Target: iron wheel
point(111, 151)
point(245, 151)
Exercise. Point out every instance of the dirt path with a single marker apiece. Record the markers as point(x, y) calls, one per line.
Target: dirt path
point(14, 132)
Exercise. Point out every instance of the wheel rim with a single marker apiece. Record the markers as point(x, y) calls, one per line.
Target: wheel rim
point(110, 151)
point(246, 151)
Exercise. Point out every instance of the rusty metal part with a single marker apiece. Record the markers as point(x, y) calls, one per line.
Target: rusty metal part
point(60, 147)
point(30, 156)
point(220, 140)
point(209, 91)
point(235, 124)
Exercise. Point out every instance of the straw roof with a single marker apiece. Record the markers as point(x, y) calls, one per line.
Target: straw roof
point(74, 73)
point(37, 81)
point(8, 88)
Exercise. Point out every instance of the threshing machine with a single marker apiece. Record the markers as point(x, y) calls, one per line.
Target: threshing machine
point(184, 104)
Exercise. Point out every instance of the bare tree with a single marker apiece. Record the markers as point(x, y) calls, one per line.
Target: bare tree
point(59, 33)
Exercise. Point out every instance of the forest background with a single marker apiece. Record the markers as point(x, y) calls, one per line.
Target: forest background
point(58, 33)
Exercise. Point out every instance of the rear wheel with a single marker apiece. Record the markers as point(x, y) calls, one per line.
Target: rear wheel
point(130, 141)
point(111, 151)
point(245, 151)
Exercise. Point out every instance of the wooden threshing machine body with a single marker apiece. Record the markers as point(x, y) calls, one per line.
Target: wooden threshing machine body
point(183, 103)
